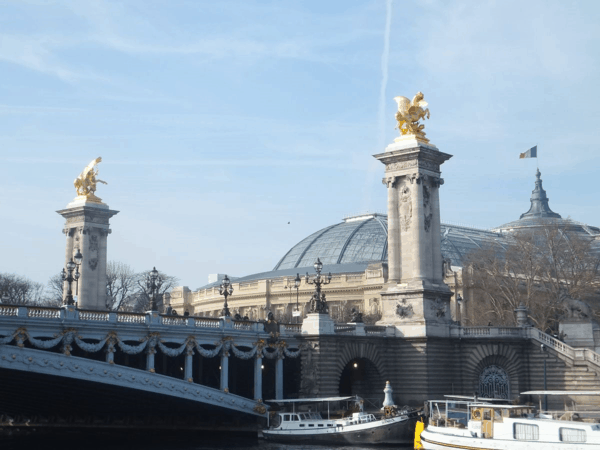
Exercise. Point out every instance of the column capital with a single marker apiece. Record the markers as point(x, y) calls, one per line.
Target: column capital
point(390, 181)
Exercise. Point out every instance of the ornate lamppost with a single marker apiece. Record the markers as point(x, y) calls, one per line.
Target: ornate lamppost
point(297, 281)
point(77, 259)
point(153, 283)
point(226, 289)
point(317, 303)
point(69, 277)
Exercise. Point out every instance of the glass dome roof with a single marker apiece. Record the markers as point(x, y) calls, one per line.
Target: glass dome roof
point(363, 239)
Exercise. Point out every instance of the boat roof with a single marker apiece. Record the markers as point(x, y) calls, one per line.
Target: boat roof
point(478, 399)
point(561, 393)
point(311, 400)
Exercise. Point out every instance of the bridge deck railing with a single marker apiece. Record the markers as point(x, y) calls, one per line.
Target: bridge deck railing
point(10, 313)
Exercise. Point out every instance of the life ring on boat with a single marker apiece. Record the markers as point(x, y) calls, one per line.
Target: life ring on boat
point(476, 414)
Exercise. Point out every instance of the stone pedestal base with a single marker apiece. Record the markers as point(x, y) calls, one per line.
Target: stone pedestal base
point(578, 333)
point(417, 311)
point(318, 324)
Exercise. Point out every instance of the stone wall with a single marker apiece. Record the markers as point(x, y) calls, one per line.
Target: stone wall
point(429, 368)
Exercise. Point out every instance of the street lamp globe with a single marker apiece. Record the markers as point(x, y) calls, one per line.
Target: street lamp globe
point(318, 265)
point(297, 281)
point(78, 257)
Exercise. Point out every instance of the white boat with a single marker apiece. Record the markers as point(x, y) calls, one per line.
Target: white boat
point(486, 424)
point(392, 427)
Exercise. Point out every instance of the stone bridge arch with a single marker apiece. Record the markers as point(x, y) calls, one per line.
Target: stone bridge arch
point(360, 370)
point(507, 358)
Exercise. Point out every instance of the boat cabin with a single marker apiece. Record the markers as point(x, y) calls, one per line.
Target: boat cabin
point(487, 420)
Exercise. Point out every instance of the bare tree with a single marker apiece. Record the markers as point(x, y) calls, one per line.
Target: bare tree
point(534, 268)
point(121, 282)
point(55, 290)
point(140, 300)
point(19, 290)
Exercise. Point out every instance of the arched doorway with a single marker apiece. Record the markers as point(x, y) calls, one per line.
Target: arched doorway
point(494, 383)
point(361, 377)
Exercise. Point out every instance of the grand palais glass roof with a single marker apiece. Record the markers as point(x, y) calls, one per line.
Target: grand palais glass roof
point(363, 239)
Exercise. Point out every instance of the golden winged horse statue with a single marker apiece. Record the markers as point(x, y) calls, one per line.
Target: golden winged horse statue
point(408, 116)
point(85, 183)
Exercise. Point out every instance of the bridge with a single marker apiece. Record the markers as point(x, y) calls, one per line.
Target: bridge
point(75, 368)
point(64, 367)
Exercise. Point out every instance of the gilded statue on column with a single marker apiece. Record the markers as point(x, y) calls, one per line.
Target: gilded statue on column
point(85, 183)
point(408, 116)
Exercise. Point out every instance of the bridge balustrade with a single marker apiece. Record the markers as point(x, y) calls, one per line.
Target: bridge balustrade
point(85, 332)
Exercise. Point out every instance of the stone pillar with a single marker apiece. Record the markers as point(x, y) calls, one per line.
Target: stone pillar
point(225, 370)
point(394, 244)
point(279, 378)
point(436, 230)
point(189, 355)
point(150, 352)
point(258, 377)
point(418, 305)
point(87, 229)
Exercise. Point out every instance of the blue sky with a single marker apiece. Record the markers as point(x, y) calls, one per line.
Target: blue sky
point(220, 122)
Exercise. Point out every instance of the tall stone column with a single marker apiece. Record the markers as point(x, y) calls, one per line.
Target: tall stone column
point(417, 304)
point(394, 244)
point(87, 229)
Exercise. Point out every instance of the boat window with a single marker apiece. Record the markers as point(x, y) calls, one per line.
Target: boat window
point(286, 417)
point(572, 435)
point(311, 424)
point(487, 414)
point(321, 425)
point(497, 415)
point(329, 424)
point(295, 418)
point(526, 432)
point(302, 425)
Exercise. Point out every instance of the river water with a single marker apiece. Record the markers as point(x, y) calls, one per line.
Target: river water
point(171, 441)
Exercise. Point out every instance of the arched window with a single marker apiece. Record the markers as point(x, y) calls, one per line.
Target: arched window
point(494, 383)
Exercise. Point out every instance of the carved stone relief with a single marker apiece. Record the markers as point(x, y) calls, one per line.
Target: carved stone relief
point(405, 208)
point(400, 165)
point(438, 307)
point(403, 310)
point(92, 253)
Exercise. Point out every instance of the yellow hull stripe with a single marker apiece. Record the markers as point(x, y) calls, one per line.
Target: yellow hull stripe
point(443, 444)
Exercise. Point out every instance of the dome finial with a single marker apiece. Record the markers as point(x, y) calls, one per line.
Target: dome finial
point(539, 201)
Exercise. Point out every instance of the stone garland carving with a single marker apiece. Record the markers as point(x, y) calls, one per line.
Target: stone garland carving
point(67, 337)
point(426, 196)
point(206, 353)
point(91, 348)
point(403, 310)
point(291, 353)
point(427, 222)
point(93, 243)
point(172, 352)
point(242, 354)
point(132, 349)
point(405, 208)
